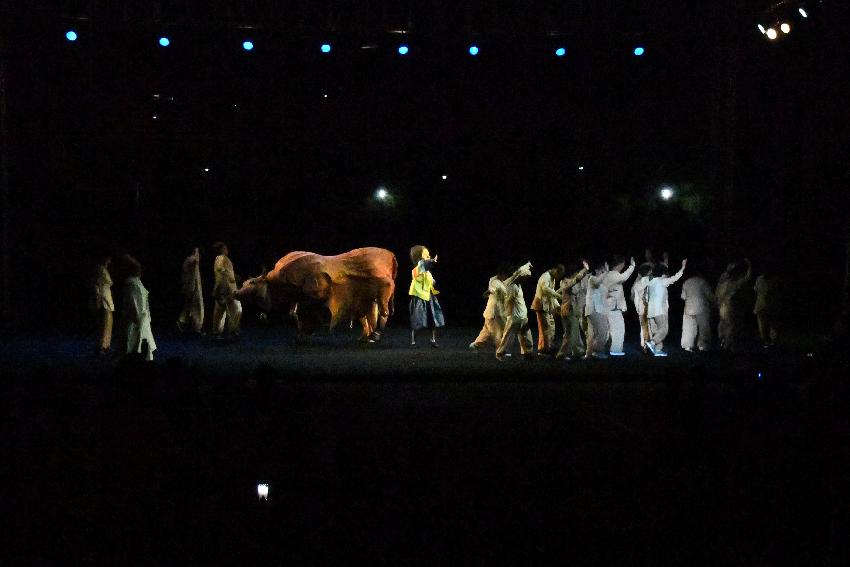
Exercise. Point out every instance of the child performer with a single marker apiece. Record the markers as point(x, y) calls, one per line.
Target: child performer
point(425, 310)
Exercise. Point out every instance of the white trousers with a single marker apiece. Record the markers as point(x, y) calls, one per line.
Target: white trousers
point(658, 329)
point(617, 329)
point(597, 332)
point(516, 328)
point(696, 329)
point(232, 311)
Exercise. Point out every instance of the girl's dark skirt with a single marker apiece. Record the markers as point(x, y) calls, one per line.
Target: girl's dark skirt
point(425, 314)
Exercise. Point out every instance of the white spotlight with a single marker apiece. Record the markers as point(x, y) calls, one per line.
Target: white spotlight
point(581, 168)
point(771, 33)
point(445, 177)
point(804, 13)
point(761, 28)
point(786, 28)
point(666, 193)
point(381, 194)
point(263, 491)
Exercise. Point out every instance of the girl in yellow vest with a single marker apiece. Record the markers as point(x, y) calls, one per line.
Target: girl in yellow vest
point(425, 310)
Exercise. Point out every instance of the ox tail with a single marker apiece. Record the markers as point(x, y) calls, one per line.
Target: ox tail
point(395, 274)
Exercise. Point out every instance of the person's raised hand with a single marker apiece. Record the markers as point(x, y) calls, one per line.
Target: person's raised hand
point(586, 265)
point(684, 263)
point(632, 261)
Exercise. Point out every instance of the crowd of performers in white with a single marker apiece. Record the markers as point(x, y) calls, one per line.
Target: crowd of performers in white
point(591, 304)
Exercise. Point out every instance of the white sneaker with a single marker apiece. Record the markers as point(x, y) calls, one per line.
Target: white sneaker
point(659, 353)
point(619, 353)
point(651, 346)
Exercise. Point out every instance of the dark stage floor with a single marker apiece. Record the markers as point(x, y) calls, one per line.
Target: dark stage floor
point(462, 459)
point(339, 356)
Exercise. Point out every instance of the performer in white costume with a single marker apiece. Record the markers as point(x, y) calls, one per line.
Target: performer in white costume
point(613, 280)
point(494, 312)
point(658, 306)
point(696, 320)
point(639, 300)
point(596, 309)
point(516, 325)
point(766, 307)
point(137, 312)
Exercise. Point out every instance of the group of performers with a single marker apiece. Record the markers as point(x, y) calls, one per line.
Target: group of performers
point(591, 304)
point(136, 315)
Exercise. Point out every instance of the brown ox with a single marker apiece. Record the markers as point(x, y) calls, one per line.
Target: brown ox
point(355, 286)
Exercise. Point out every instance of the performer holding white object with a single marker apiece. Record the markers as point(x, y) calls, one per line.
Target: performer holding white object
point(516, 325)
point(494, 313)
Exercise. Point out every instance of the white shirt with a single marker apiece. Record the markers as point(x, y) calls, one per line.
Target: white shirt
point(516, 302)
point(597, 294)
point(698, 296)
point(546, 299)
point(191, 276)
point(657, 303)
point(579, 294)
point(613, 280)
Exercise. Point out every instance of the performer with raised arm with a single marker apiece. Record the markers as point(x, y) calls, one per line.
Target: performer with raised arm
point(425, 310)
point(516, 325)
point(728, 324)
point(596, 309)
point(639, 301)
point(613, 280)
point(494, 312)
point(545, 303)
point(658, 306)
point(572, 345)
point(696, 320)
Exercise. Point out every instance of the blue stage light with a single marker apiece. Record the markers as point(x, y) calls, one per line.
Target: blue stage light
point(403, 49)
point(247, 45)
point(560, 52)
point(71, 35)
point(473, 50)
point(639, 51)
point(164, 41)
point(326, 48)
